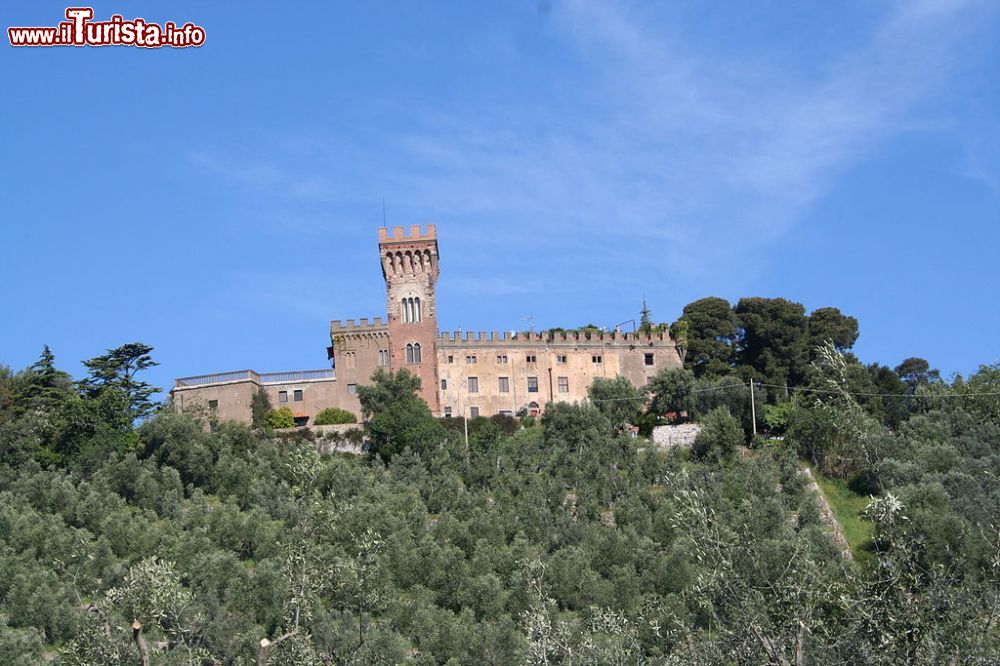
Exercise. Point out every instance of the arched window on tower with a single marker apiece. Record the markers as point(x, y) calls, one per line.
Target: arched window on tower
point(413, 352)
point(409, 310)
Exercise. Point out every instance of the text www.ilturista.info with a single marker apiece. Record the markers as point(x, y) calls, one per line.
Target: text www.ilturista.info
point(80, 30)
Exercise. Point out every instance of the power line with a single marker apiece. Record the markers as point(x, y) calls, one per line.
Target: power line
point(827, 391)
point(717, 388)
point(882, 395)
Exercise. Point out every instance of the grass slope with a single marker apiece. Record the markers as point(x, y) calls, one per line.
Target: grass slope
point(847, 507)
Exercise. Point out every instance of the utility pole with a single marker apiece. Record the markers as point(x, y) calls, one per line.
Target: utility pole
point(465, 418)
point(465, 425)
point(753, 410)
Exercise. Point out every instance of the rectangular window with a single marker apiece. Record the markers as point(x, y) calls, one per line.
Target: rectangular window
point(451, 359)
point(506, 412)
point(297, 396)
point(470, 359)
point(473, 384)
point(352, 388)
point(447, 412)
point(564, 384)
point(444, 384)
point(213, 404)
point(560, 359)
point(649, 381)
point(282, 396)
point(532, 384)
point(474, 412)
point(530, 358)
point(649, 359)
point(504, 384)
point(501, 358)
point(596, 358)
point(383, 357)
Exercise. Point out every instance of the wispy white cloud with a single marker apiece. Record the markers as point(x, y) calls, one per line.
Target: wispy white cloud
point(691, 154)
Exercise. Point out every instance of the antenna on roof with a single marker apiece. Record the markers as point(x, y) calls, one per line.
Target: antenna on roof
point(530, 319)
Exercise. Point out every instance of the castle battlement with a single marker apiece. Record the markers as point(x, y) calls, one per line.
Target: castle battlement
point(363, 326)
point(574, 338)
point(398, 236)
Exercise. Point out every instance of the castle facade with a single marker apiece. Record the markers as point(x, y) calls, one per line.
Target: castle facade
point(470, 374)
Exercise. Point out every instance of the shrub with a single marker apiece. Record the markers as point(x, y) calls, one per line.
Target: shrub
point(777, 417)
point(260, 408)
point(508, 424)
point(335, 416)
point(281, 418)
point(720, 435)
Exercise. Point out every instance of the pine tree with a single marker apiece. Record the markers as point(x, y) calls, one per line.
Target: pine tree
point(645, 319)
point(46, 387)
point(117, 370)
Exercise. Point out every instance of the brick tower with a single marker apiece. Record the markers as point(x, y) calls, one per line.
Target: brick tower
point(410, 269)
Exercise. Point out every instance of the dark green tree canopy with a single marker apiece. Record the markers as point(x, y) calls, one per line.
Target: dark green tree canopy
point(645, 319)
point(672, 392)
point(44, 387)
point(774, 340)
point(396, 416)
point(617, 399)
point(830, 324)
point(916, 371)
point(117, 370)
point(711, 328)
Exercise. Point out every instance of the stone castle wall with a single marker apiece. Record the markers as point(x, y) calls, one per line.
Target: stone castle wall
point(510, 373)
point(231, 400)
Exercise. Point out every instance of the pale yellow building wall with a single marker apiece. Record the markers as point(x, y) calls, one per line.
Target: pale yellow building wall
point(356, 349)
point(234, 399)
point(317, 395)
point(620, 355)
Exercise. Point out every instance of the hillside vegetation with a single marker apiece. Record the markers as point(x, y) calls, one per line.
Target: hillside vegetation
point(131, 533)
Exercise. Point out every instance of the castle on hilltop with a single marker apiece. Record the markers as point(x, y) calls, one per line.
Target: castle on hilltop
point(470, 374)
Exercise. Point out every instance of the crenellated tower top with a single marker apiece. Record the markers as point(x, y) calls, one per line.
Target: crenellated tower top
point(398, 234)
point(410, 268)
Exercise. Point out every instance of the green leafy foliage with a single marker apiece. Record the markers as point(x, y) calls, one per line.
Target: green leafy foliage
point(720, 435)
point(556, 542)
point(260, 407)
point(617, 399)
point(711, 329)
point(672, 392)
point(283, 417)
point(773, 342)
point(396, 418)
point(831, 325)
point(729, 392)
point(335, 416)
point(117, 370)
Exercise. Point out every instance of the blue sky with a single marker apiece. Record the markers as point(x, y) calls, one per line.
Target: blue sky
point(221, 203)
